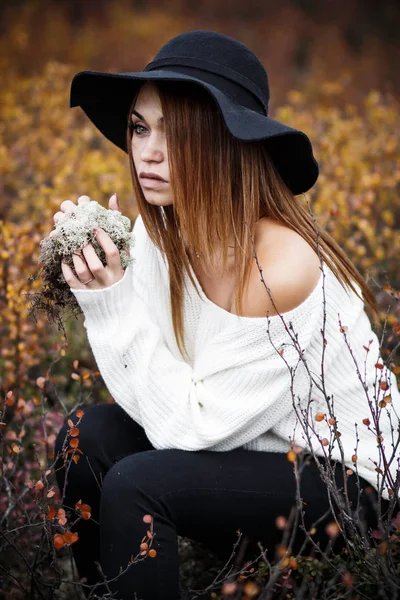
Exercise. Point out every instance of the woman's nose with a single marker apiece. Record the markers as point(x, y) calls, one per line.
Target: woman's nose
point(152, 149)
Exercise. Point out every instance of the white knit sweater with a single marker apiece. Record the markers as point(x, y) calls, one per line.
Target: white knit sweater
point(238, 390)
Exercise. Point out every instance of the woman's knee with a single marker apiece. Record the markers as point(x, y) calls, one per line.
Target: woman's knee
point(134, 476)
point(129, 492)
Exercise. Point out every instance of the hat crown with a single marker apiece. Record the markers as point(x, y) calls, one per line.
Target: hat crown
point(236, 81)
point(219, 54)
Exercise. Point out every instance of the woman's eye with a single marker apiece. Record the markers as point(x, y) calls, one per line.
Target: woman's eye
point(135, 127)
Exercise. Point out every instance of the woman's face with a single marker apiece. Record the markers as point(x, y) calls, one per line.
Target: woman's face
point(149, 147)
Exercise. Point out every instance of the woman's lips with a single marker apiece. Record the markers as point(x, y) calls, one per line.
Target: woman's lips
point(150, 183)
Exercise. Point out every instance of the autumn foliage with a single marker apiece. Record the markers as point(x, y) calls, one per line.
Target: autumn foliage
point(49, 153)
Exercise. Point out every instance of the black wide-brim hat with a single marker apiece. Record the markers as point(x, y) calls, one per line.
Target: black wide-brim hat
point(232, 75)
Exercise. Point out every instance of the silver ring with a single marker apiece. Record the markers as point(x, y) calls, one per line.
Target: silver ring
point(86, 282)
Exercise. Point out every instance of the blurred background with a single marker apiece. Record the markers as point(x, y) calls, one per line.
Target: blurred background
point(301, 42)
point(333, 67)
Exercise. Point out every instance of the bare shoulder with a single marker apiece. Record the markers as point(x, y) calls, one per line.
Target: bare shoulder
point(290, 268)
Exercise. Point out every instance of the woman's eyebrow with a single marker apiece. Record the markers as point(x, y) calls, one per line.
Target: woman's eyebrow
point(160, 120)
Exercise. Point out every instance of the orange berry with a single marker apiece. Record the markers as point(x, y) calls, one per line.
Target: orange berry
point(147, 519)
point(281, 550)
point(291, 456)
point(144, 546)
point(152, 553)
point(280, 522)
point(383, 548)
point(40, 382)
point(251, 589)
point(332, 529)
point(312, 531)
point(284, 562)
point(320, 416)
point(70, 537)
point(51, 513)
point(229, 588)
point(348, 579)
point(58, 541)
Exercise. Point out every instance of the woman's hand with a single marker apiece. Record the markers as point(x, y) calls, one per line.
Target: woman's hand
point(68, 207)
point(91, 273)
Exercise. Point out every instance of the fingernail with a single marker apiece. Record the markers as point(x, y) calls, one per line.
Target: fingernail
point(95, 230)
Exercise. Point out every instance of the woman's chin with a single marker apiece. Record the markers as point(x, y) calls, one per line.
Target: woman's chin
point(152, 197)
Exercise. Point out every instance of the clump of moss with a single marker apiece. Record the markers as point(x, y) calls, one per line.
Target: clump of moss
point(73, 232)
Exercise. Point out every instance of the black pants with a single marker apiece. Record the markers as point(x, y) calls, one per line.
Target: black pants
point(206, 496)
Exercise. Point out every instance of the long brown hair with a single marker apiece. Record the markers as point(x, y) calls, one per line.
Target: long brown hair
point(221, 184)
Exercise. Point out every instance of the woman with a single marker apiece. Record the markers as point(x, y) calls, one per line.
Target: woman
point(235, 336)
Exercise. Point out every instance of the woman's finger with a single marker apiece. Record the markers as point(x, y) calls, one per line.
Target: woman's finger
point(70, 278)
point(83, 199)
point(113, 203)
point(81, 267)
point(58, 216)
point(68, 206)
point(111, 251)
point(96, 267)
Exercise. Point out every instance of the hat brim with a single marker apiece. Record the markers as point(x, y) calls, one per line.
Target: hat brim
point(106, 99)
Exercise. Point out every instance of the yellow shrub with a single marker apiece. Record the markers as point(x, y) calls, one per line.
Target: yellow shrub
point(49, 153)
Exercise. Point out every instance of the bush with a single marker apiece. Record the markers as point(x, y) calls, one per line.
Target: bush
point(48, 154)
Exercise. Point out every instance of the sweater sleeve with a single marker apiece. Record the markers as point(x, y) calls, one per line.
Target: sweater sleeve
point(239, 385)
